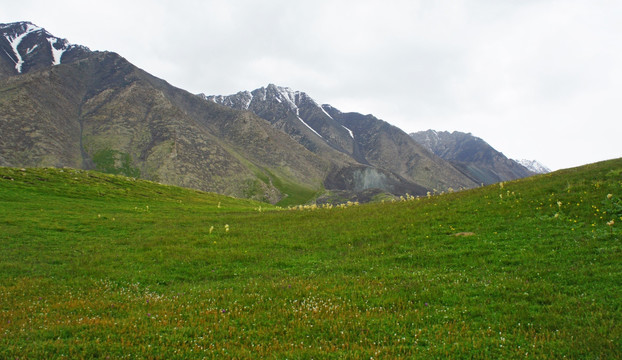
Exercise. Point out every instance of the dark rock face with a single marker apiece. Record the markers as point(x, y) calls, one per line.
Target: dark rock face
point(361, 178)
point(472, 156)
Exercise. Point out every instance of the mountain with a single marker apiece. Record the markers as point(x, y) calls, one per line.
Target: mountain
point(534, 166)
point(98, 111)
point(63, 105)
point(26, 47)
point(364, 152)
point(472, 155)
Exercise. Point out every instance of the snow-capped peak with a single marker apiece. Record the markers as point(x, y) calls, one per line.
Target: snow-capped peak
point(15, 38)
point(29, 45)
point(534, 166)
point(242, 100)
point(287, 95)
point(292, 98)
point(295, 102)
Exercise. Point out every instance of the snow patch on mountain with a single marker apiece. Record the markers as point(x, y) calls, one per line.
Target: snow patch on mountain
point(534, 166)
point(290, 97)
point(56, 53)
point(248, 98)
point(349, 131)
point(327, 114)
point(263, 93)
point(32, 49)
point(291, 100)
point(15, 33)
point(15, 40)
point(310, 128)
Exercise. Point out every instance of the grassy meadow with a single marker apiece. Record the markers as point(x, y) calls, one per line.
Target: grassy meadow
point(103, 266)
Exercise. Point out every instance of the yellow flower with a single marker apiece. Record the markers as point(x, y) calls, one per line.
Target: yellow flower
point(609, 196)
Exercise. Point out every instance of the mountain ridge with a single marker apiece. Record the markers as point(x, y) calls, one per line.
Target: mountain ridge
point(356, 144)
point(98, 111)
point(472, 155)
point(65, 105)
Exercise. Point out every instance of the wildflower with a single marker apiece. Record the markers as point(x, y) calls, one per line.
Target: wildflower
point(559, 203)
point(556, 215)
point(226, 228)
point(211, 228)
point(609, 196)
point(610, 223)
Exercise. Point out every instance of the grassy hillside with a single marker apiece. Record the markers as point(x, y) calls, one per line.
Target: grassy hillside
point(97, 265)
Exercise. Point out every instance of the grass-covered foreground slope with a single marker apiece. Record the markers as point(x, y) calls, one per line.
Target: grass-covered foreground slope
point(95, 265)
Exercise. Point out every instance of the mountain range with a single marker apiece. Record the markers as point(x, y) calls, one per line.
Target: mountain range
point(475, 158)
point(364, 152)
point(65, 105)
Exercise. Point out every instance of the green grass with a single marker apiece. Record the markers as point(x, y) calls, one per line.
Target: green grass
point(115, 162)
point(293, 194)
point(95, 265)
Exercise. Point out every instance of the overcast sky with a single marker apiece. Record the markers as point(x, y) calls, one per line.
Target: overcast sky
point(537, 79)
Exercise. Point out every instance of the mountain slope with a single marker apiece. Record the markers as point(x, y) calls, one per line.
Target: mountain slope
point(99, 111)
point(64, 105)
point(472, 155)
point(365, 152)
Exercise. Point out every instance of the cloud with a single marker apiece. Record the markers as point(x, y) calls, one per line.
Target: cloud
point(538, 79)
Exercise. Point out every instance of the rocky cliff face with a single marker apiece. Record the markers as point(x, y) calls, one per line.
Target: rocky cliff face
point(472, 155)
